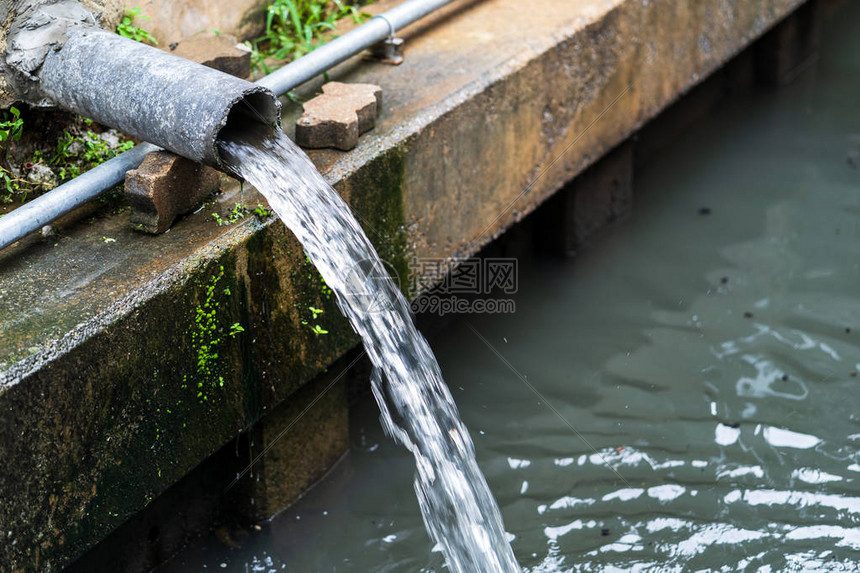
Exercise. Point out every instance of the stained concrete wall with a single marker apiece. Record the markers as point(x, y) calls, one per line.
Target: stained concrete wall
point(103, 397)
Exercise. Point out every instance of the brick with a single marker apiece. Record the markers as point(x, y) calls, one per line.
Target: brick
point(164, 187)
point(338, 116)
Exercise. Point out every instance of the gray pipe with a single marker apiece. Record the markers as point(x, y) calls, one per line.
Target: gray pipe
point(341, 49)
point(150, 94)
point(42, 210)
point(46, 208)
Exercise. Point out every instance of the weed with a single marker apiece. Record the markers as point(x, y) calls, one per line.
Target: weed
point(262, 213)
point(206, 336)
point(127, 29)
point(78, 149)
point(315, 328)
point(237, 213)
point(296, 27)
point(12, 185)
point(78, 153)
point(11, 128)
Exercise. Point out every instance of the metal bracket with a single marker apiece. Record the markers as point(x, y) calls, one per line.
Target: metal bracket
point(390, 50)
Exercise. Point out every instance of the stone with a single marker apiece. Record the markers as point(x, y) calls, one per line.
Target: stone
point(108, 12)
point(43, 176)
point(6, 98)
point(222, 52)
point(111, 138)
point(338, 116)
point(164, 187)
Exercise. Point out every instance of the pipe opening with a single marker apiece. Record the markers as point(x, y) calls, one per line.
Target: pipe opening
point(254, 109)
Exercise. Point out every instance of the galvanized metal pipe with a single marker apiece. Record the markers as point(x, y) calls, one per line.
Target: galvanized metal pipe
point(42, 210)
point(48, 207)
point(341, 49)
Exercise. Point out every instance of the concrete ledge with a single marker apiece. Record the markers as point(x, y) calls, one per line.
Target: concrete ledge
point(118, 373)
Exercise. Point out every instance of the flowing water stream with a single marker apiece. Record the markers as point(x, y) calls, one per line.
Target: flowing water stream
point(417, 409)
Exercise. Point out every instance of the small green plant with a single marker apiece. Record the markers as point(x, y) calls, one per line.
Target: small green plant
point(11, 129)
point(296, 27)
point(315, 328)
point(237, 213)
point(78, 153)
point(262, 213)
point(127, 29)
point(78, 149)
point(206, 336)
point(12, 126)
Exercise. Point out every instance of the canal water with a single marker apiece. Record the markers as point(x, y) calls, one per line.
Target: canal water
point(698, 373)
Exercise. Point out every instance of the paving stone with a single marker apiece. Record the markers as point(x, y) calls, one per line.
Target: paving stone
point(338, 116)
point(166, 186)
